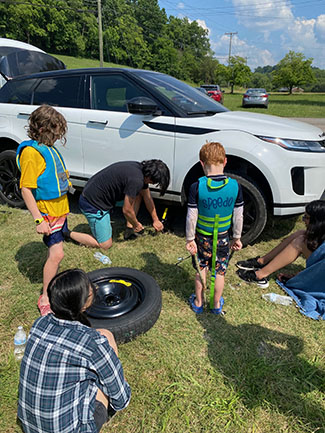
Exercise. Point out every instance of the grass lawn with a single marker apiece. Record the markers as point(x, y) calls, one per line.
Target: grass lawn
point(281, 104)
point(260, 368)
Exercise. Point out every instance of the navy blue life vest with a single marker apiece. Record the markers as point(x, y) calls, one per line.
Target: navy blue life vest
point(53, 182)
point(215, 198)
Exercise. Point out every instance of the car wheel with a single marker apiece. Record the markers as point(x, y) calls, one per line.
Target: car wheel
point(255, 209)
point(9, 180)
point(127, 303)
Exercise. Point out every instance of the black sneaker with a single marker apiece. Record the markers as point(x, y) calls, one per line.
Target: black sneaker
point(250, 277)
point(130, 234)
point(250, 264)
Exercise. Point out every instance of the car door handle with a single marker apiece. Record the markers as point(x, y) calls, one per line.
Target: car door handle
point(99, 122)
point(23, 114)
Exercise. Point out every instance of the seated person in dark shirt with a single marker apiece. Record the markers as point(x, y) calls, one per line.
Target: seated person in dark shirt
point(71, 379)
point(128, 181)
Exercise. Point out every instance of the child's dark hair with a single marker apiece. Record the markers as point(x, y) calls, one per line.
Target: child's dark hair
point(68, 292)
point(315, 231)
point(46, 125)
point(158, 172)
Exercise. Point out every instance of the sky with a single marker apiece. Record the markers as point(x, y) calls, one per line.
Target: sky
point(264, 31)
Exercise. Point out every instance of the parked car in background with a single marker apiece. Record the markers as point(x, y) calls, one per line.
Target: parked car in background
point(18, 58)
point(117, 114)
point(255, 98)
point(200, 89)
point(214, 91)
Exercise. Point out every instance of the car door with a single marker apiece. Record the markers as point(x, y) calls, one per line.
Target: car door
point(111, 134)
point(65, 93)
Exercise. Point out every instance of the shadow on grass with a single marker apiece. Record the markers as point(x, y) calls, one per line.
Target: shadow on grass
point(278, 227)
point(169, 277)
point(303, 102)
point(29, 257)
point(265, 369)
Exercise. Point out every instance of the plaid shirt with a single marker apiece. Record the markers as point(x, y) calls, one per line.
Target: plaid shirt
point(64, 364)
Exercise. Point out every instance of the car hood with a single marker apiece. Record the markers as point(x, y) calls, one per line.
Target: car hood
point(259, 124)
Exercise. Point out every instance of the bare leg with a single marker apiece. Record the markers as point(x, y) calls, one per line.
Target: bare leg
point(288, 255)
point(84, 239)
point(136, 207)
point(282, 245)
point(218, 289)
point(110, 338)
point(54, 257)
point(199, 290)
point(102, 398)
point(90, 241)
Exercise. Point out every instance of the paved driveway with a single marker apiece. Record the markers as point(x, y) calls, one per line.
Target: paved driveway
point(320, 122)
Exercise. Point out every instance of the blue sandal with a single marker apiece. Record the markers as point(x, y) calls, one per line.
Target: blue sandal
point(218, 310)
point(197, 310)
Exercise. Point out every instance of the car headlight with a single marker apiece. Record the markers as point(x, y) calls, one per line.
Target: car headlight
point(300, 145)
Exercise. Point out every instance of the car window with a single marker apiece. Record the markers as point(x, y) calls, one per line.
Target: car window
point(59, 91)
point(17, 92)
point(25, 62)
point(181, 95)
point(112, 92)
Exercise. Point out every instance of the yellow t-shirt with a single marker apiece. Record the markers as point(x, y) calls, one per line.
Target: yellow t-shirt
point(32, 165)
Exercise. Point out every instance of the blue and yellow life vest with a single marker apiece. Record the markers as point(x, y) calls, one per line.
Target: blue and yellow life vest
point(53, 182)
point(215, 198)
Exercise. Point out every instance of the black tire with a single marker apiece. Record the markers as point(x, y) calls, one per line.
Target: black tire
point(9, 180)
point(124, 324)
point(255, 209)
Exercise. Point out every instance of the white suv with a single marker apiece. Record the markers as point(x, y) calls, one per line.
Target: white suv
point(124, 114)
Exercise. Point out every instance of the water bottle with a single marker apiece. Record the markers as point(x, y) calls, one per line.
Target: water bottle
point(277, 299)
point(20, 343)
point(102, 258)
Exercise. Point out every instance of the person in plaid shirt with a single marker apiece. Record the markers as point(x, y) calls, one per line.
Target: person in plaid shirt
point(71, 378)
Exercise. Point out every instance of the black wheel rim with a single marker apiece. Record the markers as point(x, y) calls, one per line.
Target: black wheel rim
point(250, 211)
point(115, 296)
point(9, 181)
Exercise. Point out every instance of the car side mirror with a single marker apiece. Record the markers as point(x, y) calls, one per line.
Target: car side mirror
point(142, 105)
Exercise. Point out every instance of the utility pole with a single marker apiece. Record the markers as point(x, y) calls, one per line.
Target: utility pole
point(100, 34)
point(231, 35)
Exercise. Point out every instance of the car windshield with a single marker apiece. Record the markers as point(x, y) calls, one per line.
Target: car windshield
point(256, 91)
point(183, 96)
point(211, 87)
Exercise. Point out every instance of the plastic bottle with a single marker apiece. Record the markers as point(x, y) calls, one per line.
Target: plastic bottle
point(102, 258)
point(20, 343)
point(277, 299)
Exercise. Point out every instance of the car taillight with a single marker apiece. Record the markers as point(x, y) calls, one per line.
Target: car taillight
point(265, 96)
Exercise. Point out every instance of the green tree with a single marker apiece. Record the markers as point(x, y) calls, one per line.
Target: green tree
point(22, 22)
point(238, 72)
point(150, 18)
point(293, 70)
point(123, 37)
point(260, 80)
point(192, 45)
point(207, 70)
point(221, 75)
point(55, 26)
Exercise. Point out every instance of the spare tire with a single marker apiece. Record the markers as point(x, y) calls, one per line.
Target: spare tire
point(127, 303)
